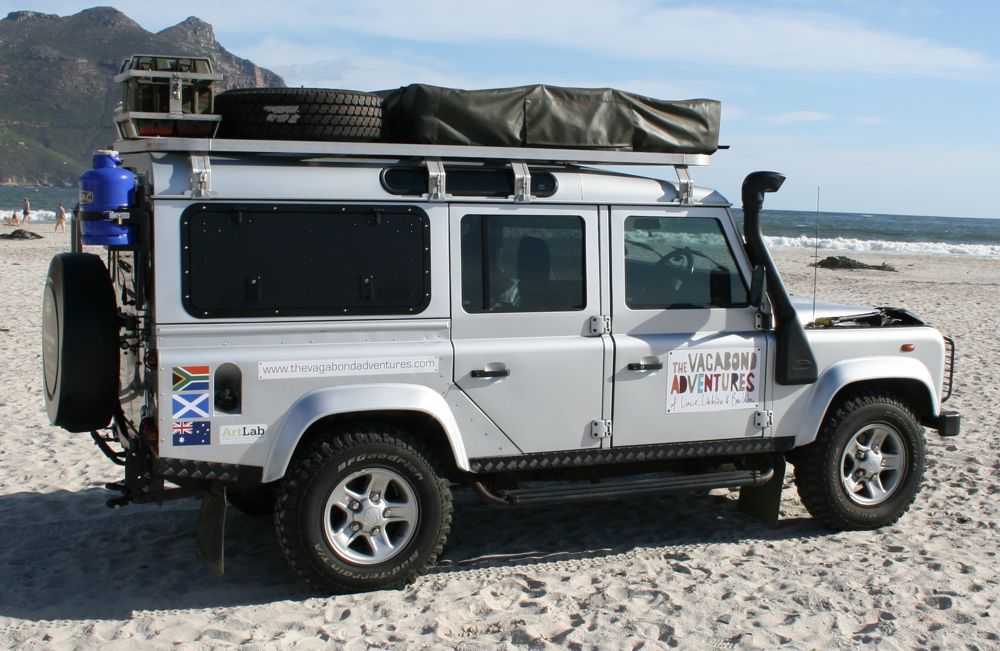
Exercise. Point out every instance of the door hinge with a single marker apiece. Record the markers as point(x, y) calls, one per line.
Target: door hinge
point(762, 321)
point(600, 325)
point(600, 429)
point(762, 418)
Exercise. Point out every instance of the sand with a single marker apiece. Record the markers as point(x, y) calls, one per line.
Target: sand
point(684, 571)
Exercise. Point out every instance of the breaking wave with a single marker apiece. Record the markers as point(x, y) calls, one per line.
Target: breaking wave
point(887, 246)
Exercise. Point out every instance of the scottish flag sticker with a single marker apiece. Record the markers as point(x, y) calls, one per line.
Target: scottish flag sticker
point(189, 405)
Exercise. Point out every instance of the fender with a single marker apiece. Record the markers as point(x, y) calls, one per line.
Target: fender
point(347, 399)
point(839, 375)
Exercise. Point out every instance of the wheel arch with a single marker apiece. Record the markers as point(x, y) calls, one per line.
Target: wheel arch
point(413, 407)
point(909, 379)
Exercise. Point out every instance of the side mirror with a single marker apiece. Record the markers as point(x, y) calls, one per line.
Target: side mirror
point(757, 286)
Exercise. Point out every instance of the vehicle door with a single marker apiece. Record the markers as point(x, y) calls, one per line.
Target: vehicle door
point(525, 282)
point(689, 363)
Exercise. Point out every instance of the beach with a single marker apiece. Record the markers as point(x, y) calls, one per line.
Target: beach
point(684, 571)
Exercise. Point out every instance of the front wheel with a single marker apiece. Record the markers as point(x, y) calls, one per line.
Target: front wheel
point(362, 509)
point(866, 466)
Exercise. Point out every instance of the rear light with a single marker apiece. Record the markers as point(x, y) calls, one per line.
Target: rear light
point(150, 434)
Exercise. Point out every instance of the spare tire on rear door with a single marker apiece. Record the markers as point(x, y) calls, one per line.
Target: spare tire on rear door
point(79, 343)
point(299, 114)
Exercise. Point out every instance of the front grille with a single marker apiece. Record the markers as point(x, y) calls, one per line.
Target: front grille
point(949, 367)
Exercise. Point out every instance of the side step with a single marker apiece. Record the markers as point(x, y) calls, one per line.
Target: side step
point(624, 488)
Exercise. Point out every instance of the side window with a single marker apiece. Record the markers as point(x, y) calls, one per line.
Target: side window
point(265, 260)
point(523, 263)
point(680, 262)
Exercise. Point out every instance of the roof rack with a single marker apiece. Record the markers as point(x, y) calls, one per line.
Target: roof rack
point(201, 149)
point(310, 149)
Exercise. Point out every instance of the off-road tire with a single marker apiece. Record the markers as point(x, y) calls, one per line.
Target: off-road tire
point(819, 466)
point(79, 343)
point(312, 476)
point(299, 114)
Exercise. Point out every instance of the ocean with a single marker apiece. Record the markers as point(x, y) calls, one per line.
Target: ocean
point(888, 234)
point(838, 231)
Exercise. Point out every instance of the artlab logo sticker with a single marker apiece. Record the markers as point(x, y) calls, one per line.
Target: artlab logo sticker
point(190, 378)
point(234, 434)
point(189, 405)
point(192, 432)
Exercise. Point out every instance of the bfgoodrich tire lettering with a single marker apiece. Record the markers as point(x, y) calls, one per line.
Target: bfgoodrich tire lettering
point(362, 509)
point(866, 466)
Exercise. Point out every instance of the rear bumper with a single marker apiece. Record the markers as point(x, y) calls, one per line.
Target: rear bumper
point(949, 423)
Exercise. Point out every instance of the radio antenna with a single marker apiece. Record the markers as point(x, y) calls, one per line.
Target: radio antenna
point(816, 256)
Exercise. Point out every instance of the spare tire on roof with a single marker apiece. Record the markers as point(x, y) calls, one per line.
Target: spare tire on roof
point(299, 114)
point(79, 343)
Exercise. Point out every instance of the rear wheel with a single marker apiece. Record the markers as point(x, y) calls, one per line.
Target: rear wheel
point(362, 509)
point(866, 466)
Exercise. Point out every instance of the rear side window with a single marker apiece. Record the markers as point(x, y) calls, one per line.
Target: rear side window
point(523, 263)
point(296, 260)
point(680, 263)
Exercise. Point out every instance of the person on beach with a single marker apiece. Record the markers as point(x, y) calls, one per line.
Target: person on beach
point(60, 218)
point(26, 211)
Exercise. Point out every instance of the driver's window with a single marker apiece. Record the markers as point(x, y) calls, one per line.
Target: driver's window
point(680, 263)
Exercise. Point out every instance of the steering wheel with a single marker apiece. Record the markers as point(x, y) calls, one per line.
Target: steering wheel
point(668, 271)
point(679, 260)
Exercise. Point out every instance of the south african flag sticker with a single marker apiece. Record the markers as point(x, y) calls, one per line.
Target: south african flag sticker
point(190, 378)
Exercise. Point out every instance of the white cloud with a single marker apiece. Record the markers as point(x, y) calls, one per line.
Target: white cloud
point(779, 38)
point(775, 39)
point(794, 117)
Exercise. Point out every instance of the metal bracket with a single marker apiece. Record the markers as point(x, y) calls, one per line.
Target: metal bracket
point(762, 418)
point(201, 176)
point(600, 429)
point(522, 181)
point(600, 325)
point(176, 96)
point(436, 180)
point(685, 186)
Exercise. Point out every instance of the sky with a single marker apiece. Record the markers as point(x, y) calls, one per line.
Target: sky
point(874, 106)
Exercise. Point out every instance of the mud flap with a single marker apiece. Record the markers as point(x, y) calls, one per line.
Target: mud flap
point(212, 528)
point(764, 502)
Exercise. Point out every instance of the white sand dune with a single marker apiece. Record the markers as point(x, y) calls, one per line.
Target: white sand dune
point(686, 572)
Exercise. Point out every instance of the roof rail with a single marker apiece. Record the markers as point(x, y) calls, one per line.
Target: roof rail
point(312, 149)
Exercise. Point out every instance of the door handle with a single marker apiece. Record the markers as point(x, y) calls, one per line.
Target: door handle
point(645, 366)
point(500, 372)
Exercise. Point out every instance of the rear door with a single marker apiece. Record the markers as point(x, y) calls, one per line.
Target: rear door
point(525, 282)
point(689, 362)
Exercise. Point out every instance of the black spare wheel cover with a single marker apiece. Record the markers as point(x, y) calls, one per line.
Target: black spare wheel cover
point(79, 343)
point(299, 114)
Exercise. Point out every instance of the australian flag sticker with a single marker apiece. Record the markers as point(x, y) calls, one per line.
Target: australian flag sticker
point(192, 432)
point(190, 378)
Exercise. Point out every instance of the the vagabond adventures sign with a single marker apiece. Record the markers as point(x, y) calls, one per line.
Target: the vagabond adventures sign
point(710, 380)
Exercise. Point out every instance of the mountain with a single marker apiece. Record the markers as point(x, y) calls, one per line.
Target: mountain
point(56, 88)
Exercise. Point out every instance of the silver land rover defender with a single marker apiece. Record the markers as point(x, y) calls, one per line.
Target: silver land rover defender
point(342, 321)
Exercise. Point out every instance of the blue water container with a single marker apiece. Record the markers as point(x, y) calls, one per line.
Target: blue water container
point(106, 191)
